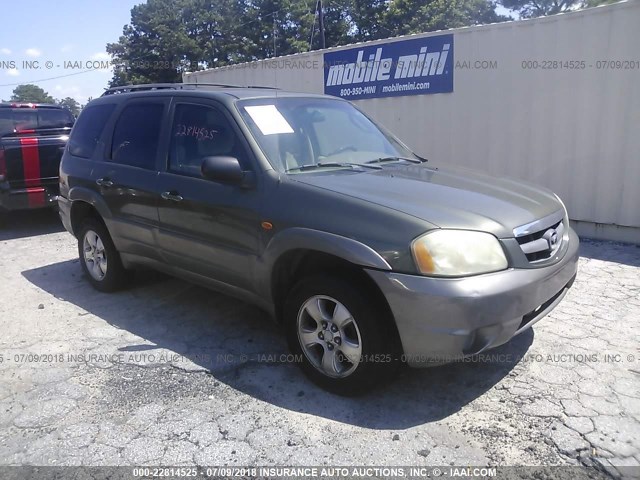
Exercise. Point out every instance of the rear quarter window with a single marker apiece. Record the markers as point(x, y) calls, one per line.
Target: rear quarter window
point(88, 129)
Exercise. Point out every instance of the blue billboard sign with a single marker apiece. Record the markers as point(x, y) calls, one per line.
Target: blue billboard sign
point(407, 67)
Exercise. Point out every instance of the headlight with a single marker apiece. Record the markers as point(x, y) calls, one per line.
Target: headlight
point(458, 252)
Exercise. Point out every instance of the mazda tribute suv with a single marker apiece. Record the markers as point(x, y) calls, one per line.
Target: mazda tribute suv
point(369, 255)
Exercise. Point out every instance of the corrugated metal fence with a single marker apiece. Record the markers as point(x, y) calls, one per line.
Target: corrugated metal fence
point(573, 129)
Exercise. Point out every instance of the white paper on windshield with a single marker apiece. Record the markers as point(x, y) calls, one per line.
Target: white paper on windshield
point(268, 119)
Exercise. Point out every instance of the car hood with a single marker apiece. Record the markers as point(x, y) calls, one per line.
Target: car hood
point(445, 197)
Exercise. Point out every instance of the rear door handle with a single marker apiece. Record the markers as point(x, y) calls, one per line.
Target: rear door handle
point(173, 196)
point(104, 182)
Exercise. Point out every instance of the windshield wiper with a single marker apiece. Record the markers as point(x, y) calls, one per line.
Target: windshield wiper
point(314, 166)
point(394, 159)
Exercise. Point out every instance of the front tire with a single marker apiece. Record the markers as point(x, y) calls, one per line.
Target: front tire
point(345, 338)
point(99, 258)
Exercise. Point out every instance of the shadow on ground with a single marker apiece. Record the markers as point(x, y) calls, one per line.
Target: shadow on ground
point(616, 252)
point(29, 223)
point(203, 326)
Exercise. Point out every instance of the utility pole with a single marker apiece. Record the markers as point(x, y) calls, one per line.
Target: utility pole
point(321, 23)
point(275, 36)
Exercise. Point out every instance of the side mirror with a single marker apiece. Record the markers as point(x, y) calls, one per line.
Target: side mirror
point(226, 169)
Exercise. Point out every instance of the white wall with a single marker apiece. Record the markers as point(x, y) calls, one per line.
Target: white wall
point(574, 131)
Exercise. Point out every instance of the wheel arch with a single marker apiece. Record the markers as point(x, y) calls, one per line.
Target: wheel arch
point(298, 238)
point(85, 203)
point(298, 252)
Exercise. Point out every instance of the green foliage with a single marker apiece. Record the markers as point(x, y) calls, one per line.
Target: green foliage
point(413, 16)
point(284, 27)
point(368, 17)
point(71, 104)
point(169, 37)
point(539, 8)
point(30, 94)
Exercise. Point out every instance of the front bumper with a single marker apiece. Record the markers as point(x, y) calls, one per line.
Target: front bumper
point(445, 319)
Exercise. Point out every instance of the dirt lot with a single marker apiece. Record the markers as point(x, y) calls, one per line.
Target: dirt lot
point(169, 373)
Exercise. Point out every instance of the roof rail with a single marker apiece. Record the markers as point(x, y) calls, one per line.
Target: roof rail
point(172, 86)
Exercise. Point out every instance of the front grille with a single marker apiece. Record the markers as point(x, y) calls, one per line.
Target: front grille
point(542, 239)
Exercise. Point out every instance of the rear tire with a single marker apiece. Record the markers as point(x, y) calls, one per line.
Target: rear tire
point(347, 342)
point(99, 258)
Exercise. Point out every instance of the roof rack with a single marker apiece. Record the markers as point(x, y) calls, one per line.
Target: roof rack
point(173, 86)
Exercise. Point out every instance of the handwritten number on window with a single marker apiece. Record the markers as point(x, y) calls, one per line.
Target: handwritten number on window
point(199, 133)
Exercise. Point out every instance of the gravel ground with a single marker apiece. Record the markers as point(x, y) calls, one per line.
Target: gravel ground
point(167, 373)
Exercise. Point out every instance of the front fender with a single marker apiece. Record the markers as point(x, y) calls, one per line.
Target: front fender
point(298, 238)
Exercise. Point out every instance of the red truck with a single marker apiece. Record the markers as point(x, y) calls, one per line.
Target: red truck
point(32, 139)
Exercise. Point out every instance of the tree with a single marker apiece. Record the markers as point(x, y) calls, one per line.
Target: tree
point(71, 104)
point(284, 27)
point(30, 94)
point(169, 37)
point(368, 17)
point(337, 24)
point(413, 16)
point(137, 53)
point(539, 8)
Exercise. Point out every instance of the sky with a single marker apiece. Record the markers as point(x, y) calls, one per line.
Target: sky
point(59, 37)
point(60, 31)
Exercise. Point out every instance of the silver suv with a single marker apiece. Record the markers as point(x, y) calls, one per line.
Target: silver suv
point(370, 256)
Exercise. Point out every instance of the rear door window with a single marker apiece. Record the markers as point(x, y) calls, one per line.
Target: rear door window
point(137, 134)
point(88, 130)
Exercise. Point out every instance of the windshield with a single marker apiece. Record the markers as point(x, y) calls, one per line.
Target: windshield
point(302, 134)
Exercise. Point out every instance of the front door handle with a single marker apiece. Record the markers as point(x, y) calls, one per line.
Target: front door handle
point(104, 182)
point(173, 196)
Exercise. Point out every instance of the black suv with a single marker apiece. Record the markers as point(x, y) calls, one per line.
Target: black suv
point(370, 256)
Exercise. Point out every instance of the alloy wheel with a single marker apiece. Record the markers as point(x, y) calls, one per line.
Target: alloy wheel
point(95, 257)
point(329, 336)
